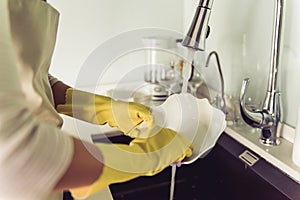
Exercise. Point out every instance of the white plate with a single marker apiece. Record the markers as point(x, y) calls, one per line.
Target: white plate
point(194, 118)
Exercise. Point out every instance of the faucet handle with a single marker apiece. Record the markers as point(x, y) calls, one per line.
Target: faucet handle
point(251, 117)
point(243, 90)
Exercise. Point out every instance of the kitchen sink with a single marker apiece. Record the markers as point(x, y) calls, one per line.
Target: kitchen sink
point(220, 175)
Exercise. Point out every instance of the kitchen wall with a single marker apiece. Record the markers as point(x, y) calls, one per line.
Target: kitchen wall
point(86, 25)
point(240, 32)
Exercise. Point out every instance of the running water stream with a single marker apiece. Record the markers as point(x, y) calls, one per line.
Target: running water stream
point(186, 73)
point(187, 70)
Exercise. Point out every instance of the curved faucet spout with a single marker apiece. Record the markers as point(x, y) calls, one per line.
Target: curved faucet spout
point(252, 117)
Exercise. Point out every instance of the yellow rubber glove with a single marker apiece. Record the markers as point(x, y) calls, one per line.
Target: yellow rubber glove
point(100, 110)
point(142, 157)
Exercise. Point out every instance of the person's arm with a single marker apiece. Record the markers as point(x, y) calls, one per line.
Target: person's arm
point(59, 92)
point(36, 157)
point(84, 169)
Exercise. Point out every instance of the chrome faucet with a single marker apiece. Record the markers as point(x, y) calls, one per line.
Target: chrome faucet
point(269, 117)
point(196, 37)
point(199, 29)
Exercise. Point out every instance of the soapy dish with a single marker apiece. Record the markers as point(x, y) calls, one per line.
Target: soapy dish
point(194, 118)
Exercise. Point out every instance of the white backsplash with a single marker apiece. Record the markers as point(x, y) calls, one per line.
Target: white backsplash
point(85, 25)
point(241, 32)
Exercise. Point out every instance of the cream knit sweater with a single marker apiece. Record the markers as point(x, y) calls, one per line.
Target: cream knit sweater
point(34, 152)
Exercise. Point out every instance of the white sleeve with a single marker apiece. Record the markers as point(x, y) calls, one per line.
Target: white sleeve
point(33, 155)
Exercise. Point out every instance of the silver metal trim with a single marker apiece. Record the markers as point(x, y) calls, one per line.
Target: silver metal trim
point(199, 28)
point(249, 158)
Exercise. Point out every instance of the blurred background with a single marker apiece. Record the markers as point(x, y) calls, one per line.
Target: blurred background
point(240, 32)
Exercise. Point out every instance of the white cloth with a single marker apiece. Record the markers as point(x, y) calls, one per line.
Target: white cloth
point(34, 152)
